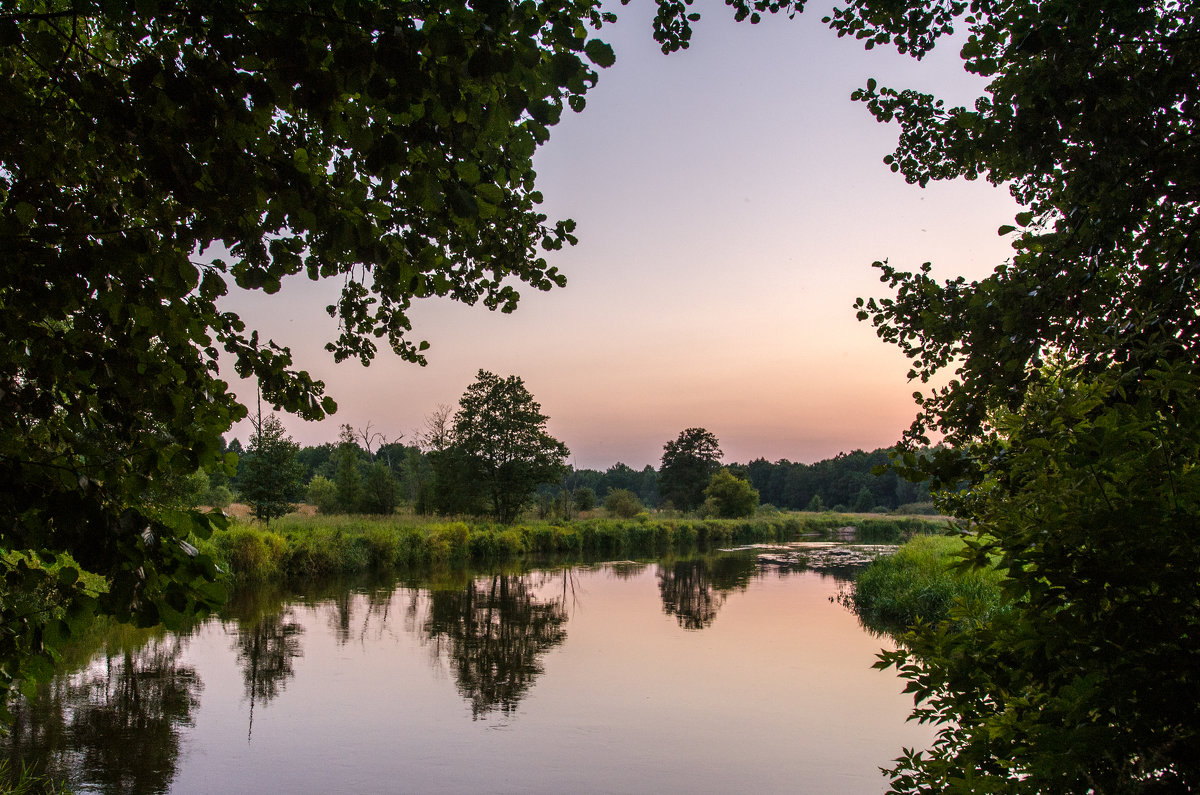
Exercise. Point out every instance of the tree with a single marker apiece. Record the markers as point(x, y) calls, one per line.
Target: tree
point(729, 497)
point(584, 499)
point(322, 492)
point(269, 472)
point(1089, 502)
point(1071, 413)
point(347, 476)
point(688, 463)
point(379, 490)
point(153, 157)
point(500, 430)
point(454, 488)
point(623, 503)
point(864, 502)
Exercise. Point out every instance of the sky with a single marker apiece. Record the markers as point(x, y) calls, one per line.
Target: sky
point(730, 200)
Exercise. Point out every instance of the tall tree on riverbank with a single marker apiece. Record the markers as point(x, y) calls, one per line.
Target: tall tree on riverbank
point(500, 431)
point(688, 464)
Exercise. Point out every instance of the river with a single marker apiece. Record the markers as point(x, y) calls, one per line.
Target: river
point(732, 672)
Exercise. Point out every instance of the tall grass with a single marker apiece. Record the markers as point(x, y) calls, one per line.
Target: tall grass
point(313, 546)
point(921, 581)
point(22, 780)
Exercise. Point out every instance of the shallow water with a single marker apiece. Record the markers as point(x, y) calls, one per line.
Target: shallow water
point(735, 672)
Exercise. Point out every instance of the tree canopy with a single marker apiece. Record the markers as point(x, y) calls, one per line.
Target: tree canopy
point(269, 472)
point(153, 157)
point(729, 496)
point(688, 463)
point(500, 435)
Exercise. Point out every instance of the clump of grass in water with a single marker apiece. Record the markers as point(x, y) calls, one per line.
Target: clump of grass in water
point(24, 780)
point(921, 580)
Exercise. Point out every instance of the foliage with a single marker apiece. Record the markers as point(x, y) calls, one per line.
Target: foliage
point(584, 499)
point(840, 479)
point(729, 497)
point(299, 546)
point(218, 497)
point(317, 460)
point(1088, 683)
point(1071, 409)
point(152, 156)
point(177, 491)
point(500, 430)
point(623, 503)
point(688, 463)
point(269, 474)
point(379, 490)
point(347, 475)
point(453, 489)
point(322, 492)
point(925, 581)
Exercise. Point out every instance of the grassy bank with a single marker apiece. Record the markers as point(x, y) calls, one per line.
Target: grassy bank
point(920, 581)
point(313, 546)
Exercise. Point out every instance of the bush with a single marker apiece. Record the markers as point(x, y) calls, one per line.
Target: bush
point(585, 499)
point(623, 503)
point(729, 497)
point(251, 554)
point(322, 492)
point(219, 497)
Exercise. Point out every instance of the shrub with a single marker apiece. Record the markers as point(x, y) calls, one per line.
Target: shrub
point(729, 497)
point(322, 492)
point(623, 503)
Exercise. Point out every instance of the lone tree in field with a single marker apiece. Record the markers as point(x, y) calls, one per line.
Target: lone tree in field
point(500, 432)
point(688, 464)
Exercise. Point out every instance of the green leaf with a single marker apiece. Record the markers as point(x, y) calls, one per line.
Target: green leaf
point(600, 53)
point(490, 193)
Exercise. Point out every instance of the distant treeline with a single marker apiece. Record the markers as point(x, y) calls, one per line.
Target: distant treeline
point(844, 482)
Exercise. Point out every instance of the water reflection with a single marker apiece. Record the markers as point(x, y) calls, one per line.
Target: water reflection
point(694, 590)
point(265, 650)
point(494, 634)
point(117, 723)
point(365, 691)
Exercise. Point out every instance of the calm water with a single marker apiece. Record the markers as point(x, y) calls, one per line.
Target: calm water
point(730, 673)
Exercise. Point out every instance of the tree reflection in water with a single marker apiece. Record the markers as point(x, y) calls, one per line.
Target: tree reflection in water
point(694, 590)
point(116, 723)
point(494, 634)
point(266, 649)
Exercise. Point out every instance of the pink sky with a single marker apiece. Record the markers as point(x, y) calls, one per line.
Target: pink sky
point(730, 201)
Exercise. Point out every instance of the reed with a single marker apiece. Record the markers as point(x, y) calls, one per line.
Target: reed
point(315, 546)
point(921, 581)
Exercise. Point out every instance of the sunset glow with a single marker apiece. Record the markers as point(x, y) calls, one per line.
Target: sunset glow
point(730, 200)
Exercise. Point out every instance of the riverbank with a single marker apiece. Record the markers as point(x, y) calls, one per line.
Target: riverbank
point(299, 546)
point(924, 580)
